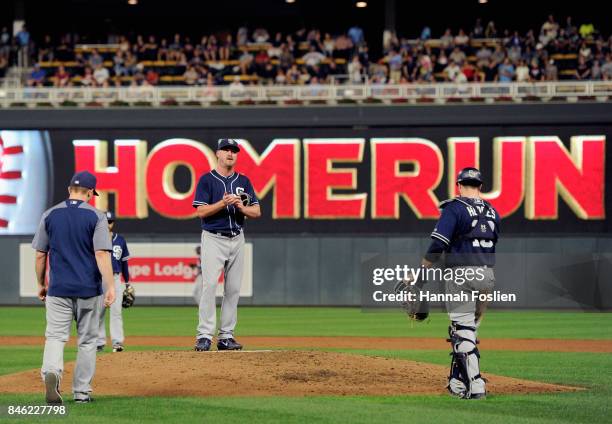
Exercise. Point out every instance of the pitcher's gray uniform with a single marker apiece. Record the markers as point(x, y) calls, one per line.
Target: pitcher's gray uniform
point(71, 233)
point(222, 244)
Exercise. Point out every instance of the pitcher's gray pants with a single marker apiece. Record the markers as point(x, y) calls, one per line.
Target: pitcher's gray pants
point(226, 254)
point(60, 313)
point(116, 318)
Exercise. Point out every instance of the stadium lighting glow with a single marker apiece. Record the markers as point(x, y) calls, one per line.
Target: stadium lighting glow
point(483, 1)
point(132, 2)
point(361, 4)
point(290, 1)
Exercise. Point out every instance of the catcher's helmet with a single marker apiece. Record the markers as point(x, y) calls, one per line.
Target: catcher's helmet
point(469, 176)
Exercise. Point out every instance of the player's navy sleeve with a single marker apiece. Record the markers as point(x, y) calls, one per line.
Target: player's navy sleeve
point(249, 190)
point(125, 271)
point(446, 225)
point(436, 248)
point(202, 193)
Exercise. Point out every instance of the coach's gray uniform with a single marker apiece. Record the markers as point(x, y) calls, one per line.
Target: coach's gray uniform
point(71, 232)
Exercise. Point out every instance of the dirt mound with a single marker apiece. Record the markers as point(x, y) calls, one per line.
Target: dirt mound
point(263, 373)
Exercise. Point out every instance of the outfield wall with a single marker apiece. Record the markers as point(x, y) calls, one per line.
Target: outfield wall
point(308, 247)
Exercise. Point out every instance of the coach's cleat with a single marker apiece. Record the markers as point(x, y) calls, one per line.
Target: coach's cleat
point(52, 386)
point(118, 348)
point(87, 399)
point(100, 348)
point(203, 345)
point(228, 344)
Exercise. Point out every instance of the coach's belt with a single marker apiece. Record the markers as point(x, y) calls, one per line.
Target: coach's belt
point(228, 235)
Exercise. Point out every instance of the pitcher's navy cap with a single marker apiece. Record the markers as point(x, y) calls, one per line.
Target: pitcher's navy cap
point(85, 179)
point(110, 217)
point(224, 143)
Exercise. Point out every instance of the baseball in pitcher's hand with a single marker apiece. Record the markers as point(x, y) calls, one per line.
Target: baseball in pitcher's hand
point(109, 296)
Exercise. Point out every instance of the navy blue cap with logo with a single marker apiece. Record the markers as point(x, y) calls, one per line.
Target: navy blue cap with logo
point(469, 176)
point(228, 143)
point(110, 217)
point(85, 179)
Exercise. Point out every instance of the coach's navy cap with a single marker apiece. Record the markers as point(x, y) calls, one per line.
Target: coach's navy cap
point(228, 142)
point(85, 179)
point(110, 217)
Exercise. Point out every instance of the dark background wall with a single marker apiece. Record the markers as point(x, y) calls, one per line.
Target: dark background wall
point(562, 269)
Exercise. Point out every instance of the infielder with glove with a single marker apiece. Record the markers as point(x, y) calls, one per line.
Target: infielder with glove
point(467, 233)
point(120, 257)
point(223, 199)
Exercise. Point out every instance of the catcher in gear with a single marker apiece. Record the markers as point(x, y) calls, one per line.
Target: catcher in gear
point(466, 232)
point(120, 256)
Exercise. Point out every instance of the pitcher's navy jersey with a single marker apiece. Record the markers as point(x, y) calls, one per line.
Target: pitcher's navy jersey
point(469, 228)
point(211, 188)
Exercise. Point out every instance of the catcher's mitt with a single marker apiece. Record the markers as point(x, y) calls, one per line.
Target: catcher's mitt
point(245, 198)
point(416, 309)
point(129, 296)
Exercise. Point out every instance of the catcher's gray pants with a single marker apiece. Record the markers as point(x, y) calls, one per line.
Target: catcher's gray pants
point(60, 313)
point(116, 318)
point(220, 253)
point(469, 314)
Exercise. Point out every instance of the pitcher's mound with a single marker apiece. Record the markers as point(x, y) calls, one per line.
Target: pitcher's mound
point(259, 373)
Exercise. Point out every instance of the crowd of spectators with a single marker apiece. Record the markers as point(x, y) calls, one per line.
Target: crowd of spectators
point(310, 56)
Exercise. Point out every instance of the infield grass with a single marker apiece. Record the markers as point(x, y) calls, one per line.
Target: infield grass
point(590, 370)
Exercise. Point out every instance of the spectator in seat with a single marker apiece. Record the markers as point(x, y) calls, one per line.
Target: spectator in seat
point(5, 42)
point(583, 70)
point(505, 71)
point(101, 76)
point(62, 78)
point(535, 72)
point(313, 57)
point(587, 30)
point(95, 59)
point(457, 56)
point(425, 34)
point(260, 35)
point(478, 31)
point(354, 71)
point(355, 33)
point(293, 74)
point(286, 58)
point(551, 71)
point(522, 72)
point(226, 48)
point(162, 51)
point(585, 51)
point(498, 55)
point(606, 68)
point(37, 76)
point(395, 61)
point(596, 73)
point(174, 49)
point(328, 45)
point(462, 40)
point(425, 70)
point(119, 64)
point(3, 65)
point(45, 50)
point(549, 30)
point(244, 62)
point(150, 49)
point(281, 77)
point(490, 30)
point(490, 71)
point(469, 71)
point(139, 48)
point(446, 41)
point(211, 49)
point(152, 77)
point(451, 71)
point(191, 76)
point(88, 79)
point(483, 55)
point(514, 54)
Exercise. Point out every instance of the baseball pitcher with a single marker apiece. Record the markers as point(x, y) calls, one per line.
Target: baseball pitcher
point(223, 199)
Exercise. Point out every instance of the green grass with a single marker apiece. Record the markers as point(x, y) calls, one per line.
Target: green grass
point(590, 370)
point(301, 321)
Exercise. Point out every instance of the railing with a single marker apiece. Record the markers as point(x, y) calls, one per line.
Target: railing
point(331, 94)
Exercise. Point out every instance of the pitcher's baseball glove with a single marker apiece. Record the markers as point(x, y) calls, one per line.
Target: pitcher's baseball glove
point(245, 198)
point(129, 296)
point(416, 309)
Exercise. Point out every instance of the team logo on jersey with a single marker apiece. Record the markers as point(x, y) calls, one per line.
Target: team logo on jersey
point(239, 190)
point(117, 252)
point(483, 228)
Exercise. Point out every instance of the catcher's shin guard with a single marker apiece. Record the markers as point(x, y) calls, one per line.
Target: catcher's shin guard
point(464, 379)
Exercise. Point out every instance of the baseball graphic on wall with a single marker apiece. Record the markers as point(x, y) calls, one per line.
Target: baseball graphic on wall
point(25, 180)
